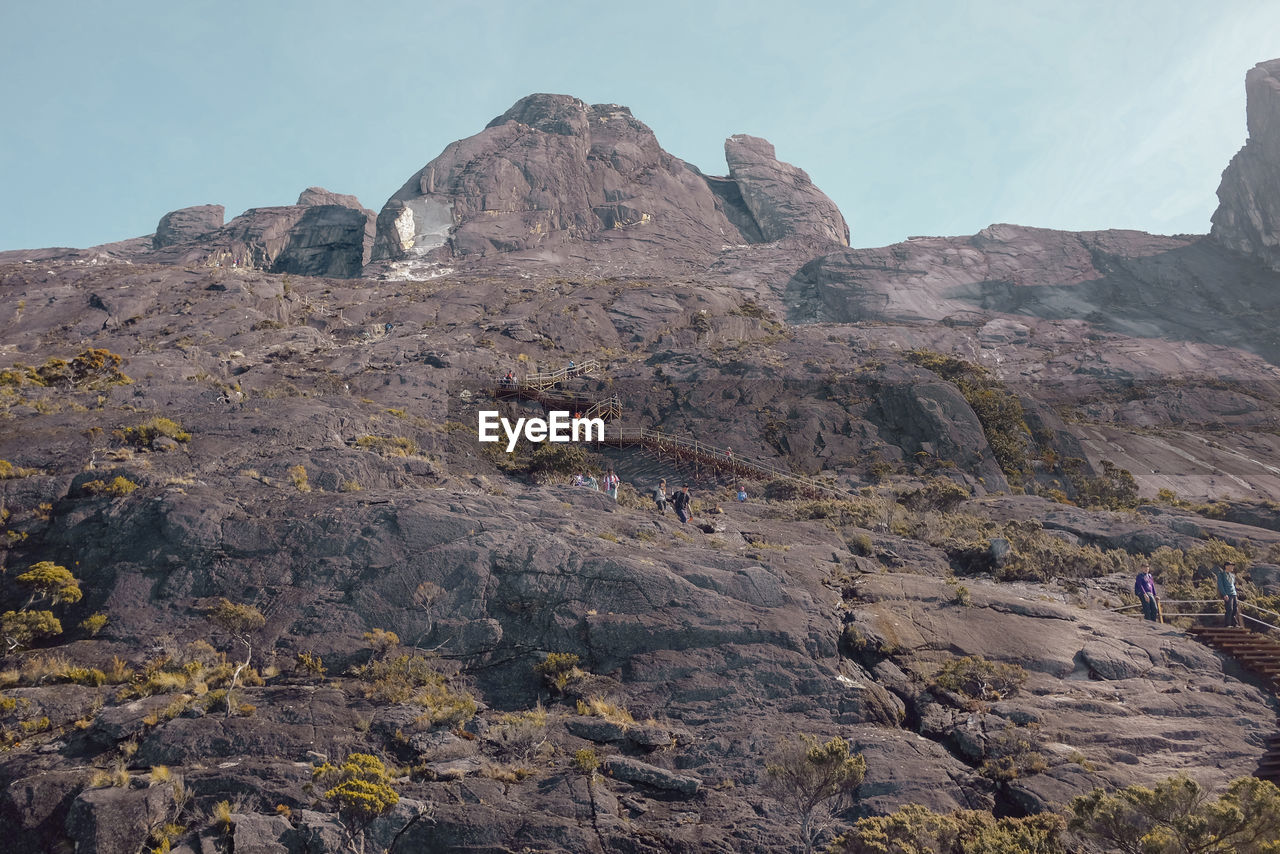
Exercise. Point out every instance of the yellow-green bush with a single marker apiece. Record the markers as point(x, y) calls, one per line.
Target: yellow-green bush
point(979, 679)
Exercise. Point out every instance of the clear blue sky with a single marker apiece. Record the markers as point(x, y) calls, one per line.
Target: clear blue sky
point(916, 118)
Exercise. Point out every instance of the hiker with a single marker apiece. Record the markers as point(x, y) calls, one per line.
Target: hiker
point(1227, 590)
point(728, 454)
point(579, 480)
point(682, 504)
point(611, 482)
point(660, 496)
point(1145, 589)
point(742, 492)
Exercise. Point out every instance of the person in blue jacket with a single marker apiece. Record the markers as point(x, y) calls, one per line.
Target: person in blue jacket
point(1227, 590)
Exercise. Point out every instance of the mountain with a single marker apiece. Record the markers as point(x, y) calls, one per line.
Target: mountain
point(956, 451)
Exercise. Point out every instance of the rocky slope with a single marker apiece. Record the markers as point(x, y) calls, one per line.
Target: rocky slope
point(317, 460)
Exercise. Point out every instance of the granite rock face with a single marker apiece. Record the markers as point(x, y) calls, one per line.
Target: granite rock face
point(1248, 215)
point(553, 169)
point(324, 234)
point(781, 197)
point(187, 224)
point(549, 169)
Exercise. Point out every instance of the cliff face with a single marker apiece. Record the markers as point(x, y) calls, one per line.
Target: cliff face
point(1248, 215)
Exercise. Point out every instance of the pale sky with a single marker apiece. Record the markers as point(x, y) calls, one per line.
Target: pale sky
point(934, 118)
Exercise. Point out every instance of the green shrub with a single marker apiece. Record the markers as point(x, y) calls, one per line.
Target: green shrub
point(559, 669)
point(979, 679)
point(915, 829)
point(145, 434)
point(938, 494)
point(998, 409)
point(94, 623)
point(388, 446)
point(1113, 489)
point(120, 486)
point(586, 760)
point(1012, 754)
point(360, 788)
point(1177, 816)
point(812, 780)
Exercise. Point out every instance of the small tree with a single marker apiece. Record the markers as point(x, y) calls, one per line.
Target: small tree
point(361, 790)
point(1179, 817)
point(812, 780)
point(47, 582)
point(239, 621)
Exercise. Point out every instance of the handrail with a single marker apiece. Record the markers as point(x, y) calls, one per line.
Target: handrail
point(541, 381)
point(721, 456)
point(1242, 605)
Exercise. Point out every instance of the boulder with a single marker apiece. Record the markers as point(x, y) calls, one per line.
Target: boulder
point(635, 771)
point(112, 820)
point(187, 225)
point(263, 834)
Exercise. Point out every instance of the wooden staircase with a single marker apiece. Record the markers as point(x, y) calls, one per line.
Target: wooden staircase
point(1259, 654)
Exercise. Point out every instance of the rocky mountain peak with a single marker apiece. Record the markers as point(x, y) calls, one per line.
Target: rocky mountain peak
point(552, 170)
point(1248, 215)
point(558, 114)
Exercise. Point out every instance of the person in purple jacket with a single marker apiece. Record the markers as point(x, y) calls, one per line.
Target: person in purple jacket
point(1145, 589)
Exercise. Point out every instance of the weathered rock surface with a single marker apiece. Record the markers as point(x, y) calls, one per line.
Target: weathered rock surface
point(187, 225)
point(1248, 215)
point(549, 169)
point(635, 771)
point(331, 479)
point(781, 198)
point(553, 169)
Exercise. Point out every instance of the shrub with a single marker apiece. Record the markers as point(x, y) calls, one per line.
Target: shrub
point(998, 410)
point(94, 623)
point(979, 679)
point(312, 665)
point(1011, 754)
point(298, 474)
point(8, 470)
point(812, 779)
point(360, 789)
point(602, 708)
point(938, 494)
point(145, 434)
point(118, 487)
point(520, 734)
point(1177, 816)
point(919, 830)
point(586, 760)
point(1113, 489)
point(559, 669)
point(240, 622)
point(388, 446)
point(22, 628)
point(558, 459)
